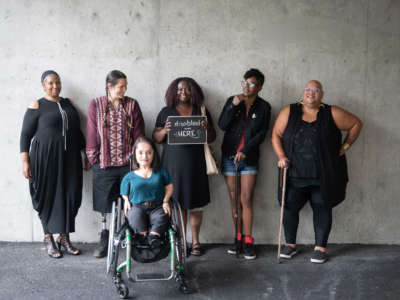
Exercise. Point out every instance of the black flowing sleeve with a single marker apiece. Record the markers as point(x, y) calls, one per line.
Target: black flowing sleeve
point(29, 126)
point(81, 136)
point(227, 115)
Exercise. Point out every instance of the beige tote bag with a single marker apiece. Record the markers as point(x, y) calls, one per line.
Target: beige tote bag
point(212, 168)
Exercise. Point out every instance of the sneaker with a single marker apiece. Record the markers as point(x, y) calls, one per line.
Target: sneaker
point(236, 248)
point(248, 251)
point(102, 248)
point(318, 257)
point(288, 252)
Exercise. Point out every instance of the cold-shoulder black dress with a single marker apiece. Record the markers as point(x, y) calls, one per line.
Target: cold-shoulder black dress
point(52, 136)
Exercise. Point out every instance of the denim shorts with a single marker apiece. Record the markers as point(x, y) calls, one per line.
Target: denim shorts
point(229, 167)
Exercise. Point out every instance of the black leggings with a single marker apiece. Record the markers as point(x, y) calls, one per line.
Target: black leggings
point(322, 215)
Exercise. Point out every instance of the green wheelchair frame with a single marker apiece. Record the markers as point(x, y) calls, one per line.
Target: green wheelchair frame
point(177, 243)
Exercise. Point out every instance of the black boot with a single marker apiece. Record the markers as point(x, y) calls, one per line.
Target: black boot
point(101, 250)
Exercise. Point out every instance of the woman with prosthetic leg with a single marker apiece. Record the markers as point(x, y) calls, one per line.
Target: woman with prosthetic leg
point(114, 123)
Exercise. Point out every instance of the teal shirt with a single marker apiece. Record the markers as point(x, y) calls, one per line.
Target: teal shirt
point(141, 189)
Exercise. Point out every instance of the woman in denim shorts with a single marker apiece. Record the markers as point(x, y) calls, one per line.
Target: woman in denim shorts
point(245, 120)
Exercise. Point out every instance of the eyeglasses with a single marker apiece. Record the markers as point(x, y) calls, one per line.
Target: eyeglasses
point(250, 85)
point(315, 90)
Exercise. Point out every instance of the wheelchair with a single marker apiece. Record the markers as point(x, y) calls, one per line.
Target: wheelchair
point(122, 237)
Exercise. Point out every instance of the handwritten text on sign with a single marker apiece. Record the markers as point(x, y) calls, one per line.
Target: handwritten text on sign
point(187, 130)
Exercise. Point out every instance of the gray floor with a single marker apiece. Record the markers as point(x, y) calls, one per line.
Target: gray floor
point(353, 272)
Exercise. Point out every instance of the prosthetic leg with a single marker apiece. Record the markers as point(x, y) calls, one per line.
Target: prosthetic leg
point(101, 249)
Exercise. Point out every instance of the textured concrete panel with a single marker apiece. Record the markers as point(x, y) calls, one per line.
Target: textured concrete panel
point(353, 47)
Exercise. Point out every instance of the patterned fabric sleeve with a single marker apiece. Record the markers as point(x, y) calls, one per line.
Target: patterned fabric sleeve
point(92, 144)
point(138, 123)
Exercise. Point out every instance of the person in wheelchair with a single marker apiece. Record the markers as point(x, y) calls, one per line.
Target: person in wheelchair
point(146, 192)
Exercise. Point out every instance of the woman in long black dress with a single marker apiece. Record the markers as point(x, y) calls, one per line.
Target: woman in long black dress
point(51, 144)
point(186, 163)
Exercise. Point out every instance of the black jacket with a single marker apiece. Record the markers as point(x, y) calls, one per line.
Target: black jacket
point(232, 121)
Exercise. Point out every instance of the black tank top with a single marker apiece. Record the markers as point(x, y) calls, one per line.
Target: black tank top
point(305, 160)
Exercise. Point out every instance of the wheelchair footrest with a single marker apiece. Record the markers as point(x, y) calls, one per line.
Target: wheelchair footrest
point(150, 276)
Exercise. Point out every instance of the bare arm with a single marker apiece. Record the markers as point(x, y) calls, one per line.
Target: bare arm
point(277, 133)
point(346, 121)
point(160, 133)
point(127, 204)
point(26, 167)
point(169, 189)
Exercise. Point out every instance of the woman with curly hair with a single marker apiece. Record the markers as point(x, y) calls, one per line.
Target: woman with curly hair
point(186, 163)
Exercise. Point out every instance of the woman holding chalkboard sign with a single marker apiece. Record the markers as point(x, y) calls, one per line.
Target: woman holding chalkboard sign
point(186, 163)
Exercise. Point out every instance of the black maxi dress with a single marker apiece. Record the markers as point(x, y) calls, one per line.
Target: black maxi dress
point(55, 143)
point(186, 165)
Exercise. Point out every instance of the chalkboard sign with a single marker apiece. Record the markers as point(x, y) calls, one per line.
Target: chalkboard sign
point(187, 130)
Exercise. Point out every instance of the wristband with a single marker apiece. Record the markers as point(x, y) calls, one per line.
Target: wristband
point(345, 146)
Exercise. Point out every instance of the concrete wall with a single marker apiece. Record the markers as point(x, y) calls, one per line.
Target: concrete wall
point(352, 47)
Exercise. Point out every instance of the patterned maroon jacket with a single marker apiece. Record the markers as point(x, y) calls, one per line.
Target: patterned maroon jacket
point(111, 145)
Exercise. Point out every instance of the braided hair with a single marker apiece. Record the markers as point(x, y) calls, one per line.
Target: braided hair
point(112, 78)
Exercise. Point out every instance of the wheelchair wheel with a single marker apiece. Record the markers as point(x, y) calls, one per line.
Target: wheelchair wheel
point(115, 224)
point(123, 291)
point(180, 239)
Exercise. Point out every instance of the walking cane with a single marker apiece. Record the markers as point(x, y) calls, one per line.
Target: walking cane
point(237, 208)
point(282, 183)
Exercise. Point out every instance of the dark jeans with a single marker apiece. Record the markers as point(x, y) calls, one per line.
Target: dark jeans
point(143, 219)
point(322, 215)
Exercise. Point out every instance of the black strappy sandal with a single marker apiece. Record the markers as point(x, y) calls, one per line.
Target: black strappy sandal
point(51, 247)
point(64, 242)
point(197, 250)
